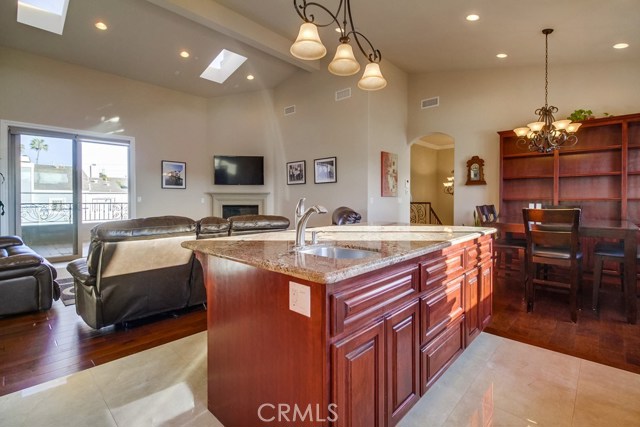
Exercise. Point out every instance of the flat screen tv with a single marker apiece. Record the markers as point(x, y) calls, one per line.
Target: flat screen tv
point(238, 170)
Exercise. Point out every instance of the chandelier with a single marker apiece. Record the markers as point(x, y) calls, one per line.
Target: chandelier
point(448, 184)
point(547, 134)
point(308, 45)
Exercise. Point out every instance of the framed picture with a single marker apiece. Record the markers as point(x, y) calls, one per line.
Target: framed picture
point(174, 174)
point(325, 170)
point(297, 172)
point(389, 174)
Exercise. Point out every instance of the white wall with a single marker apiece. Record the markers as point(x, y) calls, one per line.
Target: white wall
point(476, 104)
point(167, 125)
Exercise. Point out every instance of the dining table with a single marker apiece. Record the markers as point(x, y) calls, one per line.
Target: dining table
point(623, 230)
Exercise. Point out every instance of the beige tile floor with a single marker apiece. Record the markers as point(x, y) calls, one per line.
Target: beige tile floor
point(496, 382)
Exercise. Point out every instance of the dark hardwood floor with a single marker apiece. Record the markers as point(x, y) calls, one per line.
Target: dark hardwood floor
point(605, 337)
point(38, 347)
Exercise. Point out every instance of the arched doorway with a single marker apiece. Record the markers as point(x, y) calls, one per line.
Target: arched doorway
point(432, 165)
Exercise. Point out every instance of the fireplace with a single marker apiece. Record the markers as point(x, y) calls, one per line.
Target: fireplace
point(233, 210)
point(229, 204)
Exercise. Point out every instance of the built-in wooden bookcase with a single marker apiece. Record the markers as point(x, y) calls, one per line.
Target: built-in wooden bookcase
point(601, 173)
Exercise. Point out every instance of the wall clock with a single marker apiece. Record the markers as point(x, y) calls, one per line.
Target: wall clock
point(475, 171)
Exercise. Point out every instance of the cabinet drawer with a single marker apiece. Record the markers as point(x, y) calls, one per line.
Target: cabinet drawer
point(473, 253)
point(360, 303)
point(486, 249)
point(441, 268)
point(436, 356)
point(439, 307)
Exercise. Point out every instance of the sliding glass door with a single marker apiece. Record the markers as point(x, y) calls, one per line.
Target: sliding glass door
point(63, 186)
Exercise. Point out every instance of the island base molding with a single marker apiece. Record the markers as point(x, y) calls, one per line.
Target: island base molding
point(370, 347)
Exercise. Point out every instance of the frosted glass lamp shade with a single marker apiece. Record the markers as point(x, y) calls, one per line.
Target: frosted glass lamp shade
point(536, 126)
point(344, 63)
point(561, 124)
point(573, 127)
point(521, 132)
point(372, 78)
point(308, 45)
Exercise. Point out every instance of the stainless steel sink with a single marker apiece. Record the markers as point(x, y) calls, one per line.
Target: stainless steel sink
point(337, 252)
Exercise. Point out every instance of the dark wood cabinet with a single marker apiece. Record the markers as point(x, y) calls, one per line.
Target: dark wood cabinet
point(403, 363)
point(370, 347)
point(601, 173)
point(358, 378)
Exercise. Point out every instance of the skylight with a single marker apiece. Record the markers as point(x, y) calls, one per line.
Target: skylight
point(48, 15)
point(225, 64)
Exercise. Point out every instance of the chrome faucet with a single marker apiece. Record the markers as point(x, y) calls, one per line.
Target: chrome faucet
point(301, 226)
point(299, 211)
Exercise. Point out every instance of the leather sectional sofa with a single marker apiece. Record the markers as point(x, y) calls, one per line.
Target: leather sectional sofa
point(27, 280)
point(136, 268)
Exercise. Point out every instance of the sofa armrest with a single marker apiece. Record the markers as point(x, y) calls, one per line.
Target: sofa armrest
point(20, 261)
point(80, 272)
point(7, 241)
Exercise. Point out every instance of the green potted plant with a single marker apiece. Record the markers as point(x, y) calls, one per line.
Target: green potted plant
point(580, 115)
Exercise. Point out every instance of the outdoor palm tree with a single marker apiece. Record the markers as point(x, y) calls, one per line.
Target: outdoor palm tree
point(38, 145)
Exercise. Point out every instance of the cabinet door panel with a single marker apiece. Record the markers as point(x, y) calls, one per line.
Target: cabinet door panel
point(486, 293)
point(358, 378)
point(440, 353)
point(440, 307)
point(403, 365)
point(472, 302)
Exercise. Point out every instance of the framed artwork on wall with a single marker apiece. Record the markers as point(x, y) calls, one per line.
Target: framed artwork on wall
point(325, 170)
point(389, 174)
point(174, 174)
point(297, 172)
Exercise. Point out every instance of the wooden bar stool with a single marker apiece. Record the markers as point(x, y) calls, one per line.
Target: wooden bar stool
point(606, 252)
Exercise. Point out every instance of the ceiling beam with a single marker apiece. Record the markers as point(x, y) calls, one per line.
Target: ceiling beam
point(224, 20)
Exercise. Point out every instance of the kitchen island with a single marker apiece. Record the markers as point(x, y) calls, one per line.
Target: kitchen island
point(351, 334)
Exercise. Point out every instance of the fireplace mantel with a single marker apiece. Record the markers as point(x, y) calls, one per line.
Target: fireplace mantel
point(220, 199)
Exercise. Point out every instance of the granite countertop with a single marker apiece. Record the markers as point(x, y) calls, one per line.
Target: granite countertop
point(389, 244)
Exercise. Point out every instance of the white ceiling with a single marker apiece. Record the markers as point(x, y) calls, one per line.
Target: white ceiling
point(144, 37)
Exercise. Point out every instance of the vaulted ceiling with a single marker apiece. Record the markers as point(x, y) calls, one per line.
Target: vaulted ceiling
point(145, 36)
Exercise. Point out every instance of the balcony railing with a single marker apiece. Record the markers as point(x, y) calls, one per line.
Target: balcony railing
point(61, 213)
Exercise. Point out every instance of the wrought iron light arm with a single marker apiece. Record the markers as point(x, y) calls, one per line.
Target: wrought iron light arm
point(301, 7)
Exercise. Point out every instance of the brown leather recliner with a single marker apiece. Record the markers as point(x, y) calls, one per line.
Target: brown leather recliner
point(136, 268)
point(27, 280)
point(344, 215)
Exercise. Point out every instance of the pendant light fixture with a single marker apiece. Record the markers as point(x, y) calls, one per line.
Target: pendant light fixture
point(308, 45)
point(547, 134)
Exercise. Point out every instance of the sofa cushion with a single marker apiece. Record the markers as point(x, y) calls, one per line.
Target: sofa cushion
point(246, 224)
point(213, 226)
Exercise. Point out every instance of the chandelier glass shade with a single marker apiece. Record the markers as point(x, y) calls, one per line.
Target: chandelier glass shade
point(547, 134)
point(308, 45)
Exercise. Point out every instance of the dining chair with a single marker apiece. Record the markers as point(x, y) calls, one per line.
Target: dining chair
point(504, 246)
point(553, 240)
point(604, 251)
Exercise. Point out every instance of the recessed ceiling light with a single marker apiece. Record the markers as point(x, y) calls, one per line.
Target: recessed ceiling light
point(184, 54)
point(472, 17)
point(501, 55)
point(101, 25)
point(250, 77)
point(620, 45)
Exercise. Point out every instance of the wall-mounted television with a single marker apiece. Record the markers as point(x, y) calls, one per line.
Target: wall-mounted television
point(238, 170)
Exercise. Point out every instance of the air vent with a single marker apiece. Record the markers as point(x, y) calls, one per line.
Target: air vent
point(430, 102)
point(343, 94)
point(291, 109)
